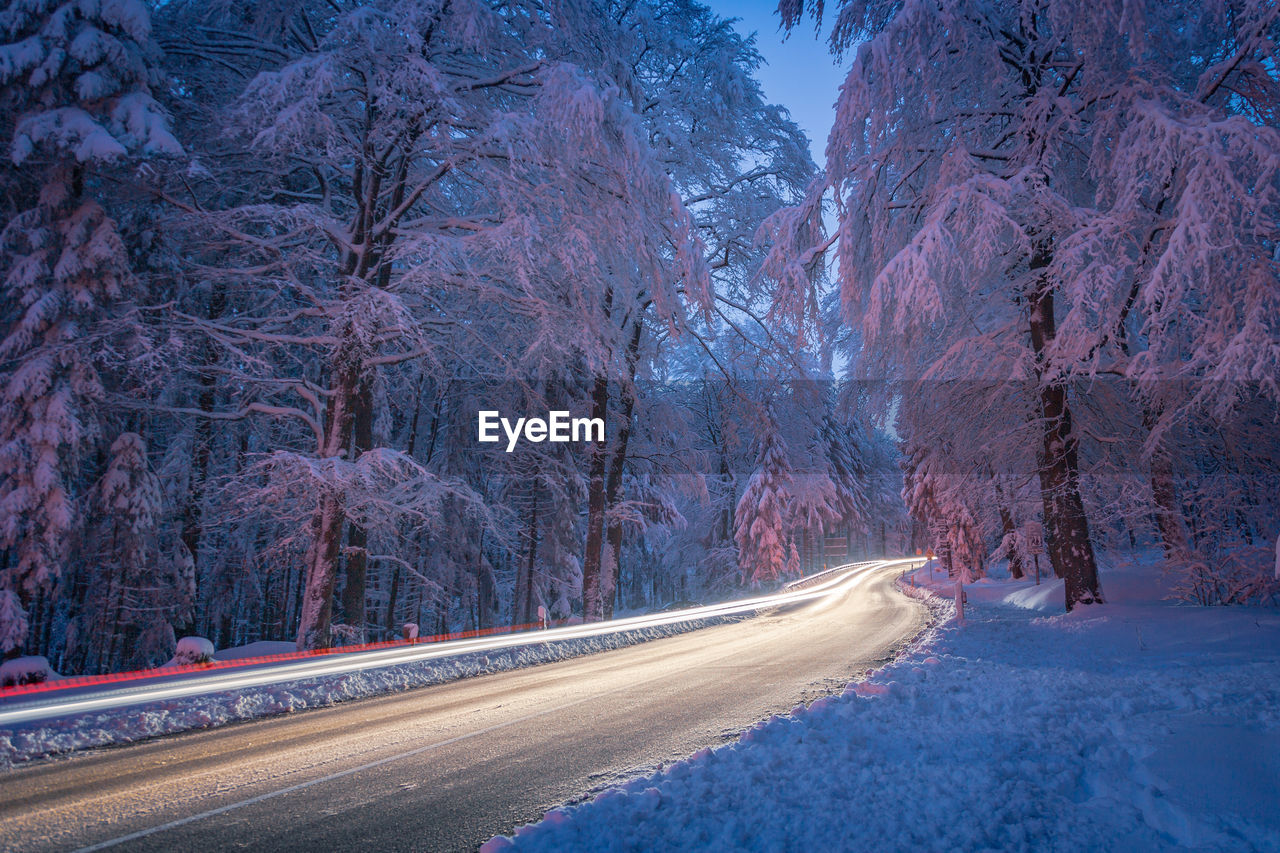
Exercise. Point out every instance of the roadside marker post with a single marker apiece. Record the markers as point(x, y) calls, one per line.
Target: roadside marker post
point(1033, 532)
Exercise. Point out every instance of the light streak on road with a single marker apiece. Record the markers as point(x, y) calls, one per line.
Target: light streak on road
point(160, 687)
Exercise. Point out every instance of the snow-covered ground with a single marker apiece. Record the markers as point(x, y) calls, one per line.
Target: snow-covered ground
point(1140, 725)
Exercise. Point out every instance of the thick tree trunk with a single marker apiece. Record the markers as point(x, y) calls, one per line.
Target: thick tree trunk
point(322, 561)
point(327, 522)
point(1066, 527)
point(353, 592)
point(592, 591)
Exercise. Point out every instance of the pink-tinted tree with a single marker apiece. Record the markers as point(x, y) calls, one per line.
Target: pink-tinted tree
point(1037, 193)
point(762, 519)
point(76, 101)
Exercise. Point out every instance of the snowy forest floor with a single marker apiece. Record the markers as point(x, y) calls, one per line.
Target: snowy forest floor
point(1141, 724)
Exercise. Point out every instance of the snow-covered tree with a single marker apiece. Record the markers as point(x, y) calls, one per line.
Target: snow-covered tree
point(136, 571)
point(13, 621)
point(499, 217)
point(762, 518)
point(76, 83)
point(389, 215)
point(1038, 192)
point(732, 158)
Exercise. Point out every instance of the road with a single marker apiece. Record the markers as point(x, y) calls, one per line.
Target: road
point(447, 767)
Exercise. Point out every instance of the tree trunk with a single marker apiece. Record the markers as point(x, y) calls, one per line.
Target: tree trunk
point(522, 613)
point(1173, 533)
point(486, 590)
point(393, 596)
point(617, 464)
point(725, 532)
point(327, 521)
point(612, 568)
point(1066, 527)
point(193, 508)
point(1007, 526)
point(322, 561)
point(353, 593)
point(592, 591)
point(1168, 517)
point(412, 443)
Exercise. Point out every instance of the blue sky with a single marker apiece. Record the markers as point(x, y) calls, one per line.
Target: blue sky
point(801, 74)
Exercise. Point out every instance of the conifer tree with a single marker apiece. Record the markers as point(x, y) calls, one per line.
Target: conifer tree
point(76, 84)
point(761, 519)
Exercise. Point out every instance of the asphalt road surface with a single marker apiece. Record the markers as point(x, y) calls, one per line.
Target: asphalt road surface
point(449, 766)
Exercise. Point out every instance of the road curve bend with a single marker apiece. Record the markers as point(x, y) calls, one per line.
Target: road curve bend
point(447, 767)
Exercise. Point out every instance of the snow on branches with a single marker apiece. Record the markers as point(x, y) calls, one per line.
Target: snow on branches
point(761, 520)
point(76, 91)
point(1037, 197)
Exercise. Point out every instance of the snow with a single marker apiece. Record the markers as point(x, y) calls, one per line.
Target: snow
point(192, 650)
point(260, 649)
point(762, 511)
point(19, 57)
point(1140, 724)
point(69, 128)
point(87, 730)
point(1048, 596)
point(32, 669)
point(13, 619)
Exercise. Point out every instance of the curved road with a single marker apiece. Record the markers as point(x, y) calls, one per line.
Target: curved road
point(447, 767)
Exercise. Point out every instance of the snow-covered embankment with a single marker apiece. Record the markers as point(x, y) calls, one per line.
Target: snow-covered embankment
point(1137, 725)
point(122, 725)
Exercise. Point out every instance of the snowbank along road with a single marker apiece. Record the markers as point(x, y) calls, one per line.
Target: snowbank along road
point(447, 767)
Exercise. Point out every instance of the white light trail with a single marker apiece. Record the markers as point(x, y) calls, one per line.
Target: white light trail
point(47, 707)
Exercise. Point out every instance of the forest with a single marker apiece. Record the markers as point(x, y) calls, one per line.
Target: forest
point(265, 262)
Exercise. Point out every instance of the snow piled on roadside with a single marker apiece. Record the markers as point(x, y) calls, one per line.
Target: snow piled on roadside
point(191, 650)
point(259, 649)
point(83, 731)
point(1141, 725)
point(32, 669)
